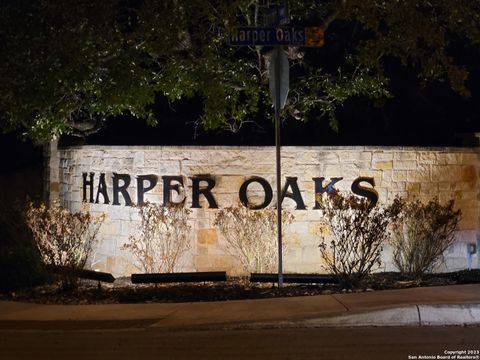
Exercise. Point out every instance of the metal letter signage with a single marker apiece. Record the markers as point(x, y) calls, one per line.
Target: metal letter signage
point(117, 189)
point(102, 190)
point(267, 189)
point(88, 183)
point(141, 189)
point(206, 191)
point(370, 193)
point(168, 187)
point(295, 195)
point(204, 185)
point(320, 189)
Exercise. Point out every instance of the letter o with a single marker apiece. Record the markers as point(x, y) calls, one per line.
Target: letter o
point(266, 188)
point(279, 34)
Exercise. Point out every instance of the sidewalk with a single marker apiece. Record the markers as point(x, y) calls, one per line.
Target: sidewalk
point(446, 305)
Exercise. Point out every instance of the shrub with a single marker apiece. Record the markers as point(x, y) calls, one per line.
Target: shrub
point(358, 231)
point(65, 239)
point(251, 236)
point(163, 238)
point(422, 233)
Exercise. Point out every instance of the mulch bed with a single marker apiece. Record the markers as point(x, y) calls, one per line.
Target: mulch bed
point(122, 291)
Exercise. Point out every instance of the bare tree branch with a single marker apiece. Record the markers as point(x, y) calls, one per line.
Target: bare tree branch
point(334, 15)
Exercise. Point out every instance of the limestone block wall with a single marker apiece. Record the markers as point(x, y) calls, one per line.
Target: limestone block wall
point(421, 173)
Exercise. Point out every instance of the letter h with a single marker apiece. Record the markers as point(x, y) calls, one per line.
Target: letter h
point(88, 183)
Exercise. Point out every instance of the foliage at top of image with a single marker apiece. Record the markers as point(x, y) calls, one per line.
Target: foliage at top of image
point(65, 239)
point(421, 234)
point(67, 66)
point(355, 232)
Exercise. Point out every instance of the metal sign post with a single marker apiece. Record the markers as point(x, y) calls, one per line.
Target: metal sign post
point(279, 85)
point(278, 37)
point(278, 158)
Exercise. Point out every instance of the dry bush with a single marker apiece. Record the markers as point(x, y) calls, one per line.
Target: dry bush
point(251, 236)
point(358, 232)
point(65, 239)
point(163, 238)
point(422, 233)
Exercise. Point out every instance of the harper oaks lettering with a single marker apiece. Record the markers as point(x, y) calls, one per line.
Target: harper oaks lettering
point(203, 185)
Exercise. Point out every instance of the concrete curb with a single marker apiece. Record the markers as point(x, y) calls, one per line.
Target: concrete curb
point(431, 306)
point(401, 316)
point(438, 315)
point(412, 315)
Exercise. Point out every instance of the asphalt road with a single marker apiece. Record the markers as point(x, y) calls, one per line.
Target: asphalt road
point(150, 343)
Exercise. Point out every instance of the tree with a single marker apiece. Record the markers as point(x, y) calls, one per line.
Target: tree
point(67, 66)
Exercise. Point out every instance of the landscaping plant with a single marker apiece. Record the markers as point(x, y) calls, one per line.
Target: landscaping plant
point(355, 233)
point(251, 236)
point(422, 233)
point(65, 239)
point(163, 237)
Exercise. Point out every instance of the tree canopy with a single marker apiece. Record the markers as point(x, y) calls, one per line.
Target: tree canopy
point(67, 66)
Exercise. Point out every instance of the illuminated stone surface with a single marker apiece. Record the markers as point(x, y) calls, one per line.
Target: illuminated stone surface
point(384, 165)
point(411, 172)
point(207, 236)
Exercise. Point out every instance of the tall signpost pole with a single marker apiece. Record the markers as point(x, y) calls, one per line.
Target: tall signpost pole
point(278, 157)
point(280, 80)
point(279, 86)
point(278, 37)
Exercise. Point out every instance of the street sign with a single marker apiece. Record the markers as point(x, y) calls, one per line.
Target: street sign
point(314, 35)
point(279, 78)
point(279, 84)
point(278, 36)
